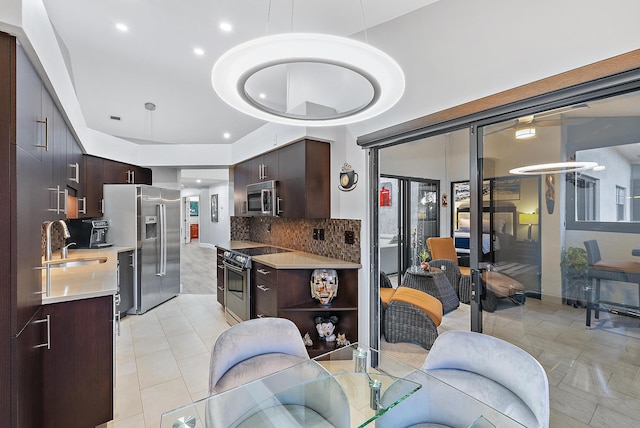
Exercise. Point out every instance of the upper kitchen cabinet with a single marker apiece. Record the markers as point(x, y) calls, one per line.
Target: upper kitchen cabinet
point(265, 167)
point(100, 171)
point(302, 172)
point(31, 126)
point(304, 181)
point(241, 178)
point(75, 164)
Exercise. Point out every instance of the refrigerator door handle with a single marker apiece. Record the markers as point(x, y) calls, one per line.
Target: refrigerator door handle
point(160, 241)
point(163, 223)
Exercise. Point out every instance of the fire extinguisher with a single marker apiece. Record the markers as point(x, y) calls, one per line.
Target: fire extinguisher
point(385, 197)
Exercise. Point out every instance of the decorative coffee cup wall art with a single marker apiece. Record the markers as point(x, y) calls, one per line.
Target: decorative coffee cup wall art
point(348, 178)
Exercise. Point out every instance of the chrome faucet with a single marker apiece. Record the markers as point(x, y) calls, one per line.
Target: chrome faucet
point(49, 225)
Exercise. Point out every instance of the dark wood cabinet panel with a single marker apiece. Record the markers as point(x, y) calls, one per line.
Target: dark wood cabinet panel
point(115, 172)
point(78, 367)
point(75, 165)
point(93, 180)
point(241, 177)
point(142, 175)
point(286, 293)
point(28, 106)
point(304, 185)
point(28, 349)
point(302, 174)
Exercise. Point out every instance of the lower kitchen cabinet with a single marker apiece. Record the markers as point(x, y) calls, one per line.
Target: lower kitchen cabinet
point(126, 272)
point(286, 293)
point(220, 276)
point(78, 367)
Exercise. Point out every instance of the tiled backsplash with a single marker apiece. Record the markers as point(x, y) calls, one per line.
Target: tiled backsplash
point(298, 235)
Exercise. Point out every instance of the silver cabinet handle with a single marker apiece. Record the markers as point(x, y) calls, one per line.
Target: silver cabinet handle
point(46, 134)
point(48, 321)
point(133, 263)
point(57, 192)
point(116, 324)
point(102, 205)
point(65, 195)
point(262, 287)
point(264, 271)
point(76, 174)
point(47, 291)
point(82, 210)
point(133, 177)
point(278, 210)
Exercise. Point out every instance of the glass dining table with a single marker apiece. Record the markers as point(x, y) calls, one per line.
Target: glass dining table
point(351, 386)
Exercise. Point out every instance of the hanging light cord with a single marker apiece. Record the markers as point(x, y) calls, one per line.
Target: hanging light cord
point(266, 27)
point(364, 23)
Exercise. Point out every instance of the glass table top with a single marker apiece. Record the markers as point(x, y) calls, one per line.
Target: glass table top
point(349, 387)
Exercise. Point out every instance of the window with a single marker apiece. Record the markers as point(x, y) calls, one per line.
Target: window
point(621, 197)
point(586, 198)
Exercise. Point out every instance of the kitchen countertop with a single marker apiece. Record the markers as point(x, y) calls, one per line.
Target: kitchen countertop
point(84, 282)
point(291, 260)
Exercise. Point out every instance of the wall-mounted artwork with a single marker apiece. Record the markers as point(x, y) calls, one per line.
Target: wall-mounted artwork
point(214, 208)
point(193, 208)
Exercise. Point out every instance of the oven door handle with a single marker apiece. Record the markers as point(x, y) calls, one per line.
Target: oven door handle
point(233, 268)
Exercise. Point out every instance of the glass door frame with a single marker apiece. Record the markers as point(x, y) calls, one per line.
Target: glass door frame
point(600, 88)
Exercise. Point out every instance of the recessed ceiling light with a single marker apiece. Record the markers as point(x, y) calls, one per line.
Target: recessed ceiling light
point(554, 168)
point(198, 51)
point(120, 26)
point(226, 135)
point(225, 26)
point(525, 133)
point(262, 95)
point(198, 181)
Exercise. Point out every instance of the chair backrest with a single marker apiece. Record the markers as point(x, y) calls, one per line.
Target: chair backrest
point(442, 248)
point(593, 252)
point(497, 360)
point(252, 338)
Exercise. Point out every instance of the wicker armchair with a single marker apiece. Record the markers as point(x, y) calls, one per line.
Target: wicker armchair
point(460, 283)
point(412, 316)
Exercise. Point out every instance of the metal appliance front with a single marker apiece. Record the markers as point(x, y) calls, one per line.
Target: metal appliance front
point(237, 295)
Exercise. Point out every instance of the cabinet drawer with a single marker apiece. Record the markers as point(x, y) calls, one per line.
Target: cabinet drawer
point(263, 273)
point(265, 299)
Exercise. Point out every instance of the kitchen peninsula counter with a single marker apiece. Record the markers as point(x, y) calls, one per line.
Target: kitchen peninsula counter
point(83, 282)
point(292, 259)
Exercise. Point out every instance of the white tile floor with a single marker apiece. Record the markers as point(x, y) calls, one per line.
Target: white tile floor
point(163, 358)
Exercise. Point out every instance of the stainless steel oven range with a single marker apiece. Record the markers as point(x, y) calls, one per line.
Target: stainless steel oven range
point(237, 281)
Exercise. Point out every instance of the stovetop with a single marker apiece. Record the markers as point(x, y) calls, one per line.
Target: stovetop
point(241, 257)
point(259, 251)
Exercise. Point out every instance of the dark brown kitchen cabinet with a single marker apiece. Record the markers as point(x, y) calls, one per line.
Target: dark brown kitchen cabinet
point(220, 276)
point(78, 367)
point(304, 185)
point(99, 171)
point(75, 164)
point(285, 293)
point(265, 167)
point(28, 349)
point(241, 178)
point(25, 178)
point(303, 175)
point(126, 272)
point(93, 182)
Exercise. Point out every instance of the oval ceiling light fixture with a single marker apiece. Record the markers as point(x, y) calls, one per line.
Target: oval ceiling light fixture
point(553, 168)
point(232, 70)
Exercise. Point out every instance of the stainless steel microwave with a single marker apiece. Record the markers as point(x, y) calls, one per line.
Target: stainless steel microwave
point(262, 199)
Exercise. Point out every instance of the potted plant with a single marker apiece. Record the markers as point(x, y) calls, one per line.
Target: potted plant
point(424, 258)
point(574, 268)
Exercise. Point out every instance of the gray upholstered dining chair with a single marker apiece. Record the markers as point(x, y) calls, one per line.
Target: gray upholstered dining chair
point(253, 349)
point(488, 370)
point(284, 387)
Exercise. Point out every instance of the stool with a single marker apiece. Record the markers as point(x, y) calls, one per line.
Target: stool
point(434, 283)
point(412, 316)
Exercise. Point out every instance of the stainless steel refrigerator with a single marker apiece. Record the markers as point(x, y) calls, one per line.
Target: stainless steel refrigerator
point(147, 218)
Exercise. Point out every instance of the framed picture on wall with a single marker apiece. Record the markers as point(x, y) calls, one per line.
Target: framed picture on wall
point(214, 208)
point(193, 208)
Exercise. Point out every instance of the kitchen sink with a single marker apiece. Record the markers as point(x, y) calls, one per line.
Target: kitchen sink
point(67, 263)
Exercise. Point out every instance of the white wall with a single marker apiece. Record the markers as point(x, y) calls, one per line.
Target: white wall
point(213, 233)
